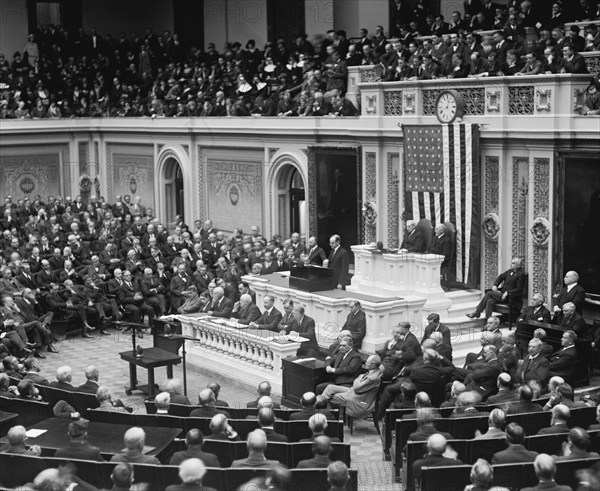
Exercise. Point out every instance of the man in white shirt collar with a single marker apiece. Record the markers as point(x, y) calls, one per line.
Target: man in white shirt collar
point(162, 402)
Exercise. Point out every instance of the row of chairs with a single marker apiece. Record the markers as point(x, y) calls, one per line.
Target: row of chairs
point(471, 450)
point(288, 454)
point(464, 428)
point(511, 476)
point(17, 470)
point(234, 412)
point(294, 430)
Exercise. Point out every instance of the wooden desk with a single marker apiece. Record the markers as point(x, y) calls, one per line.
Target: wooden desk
point(151, 358)
point(107, 437)
point(7, 421)
point(525, 331)
point(299, 378)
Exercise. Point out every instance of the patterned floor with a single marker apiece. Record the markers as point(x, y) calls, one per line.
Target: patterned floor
point(103, 351)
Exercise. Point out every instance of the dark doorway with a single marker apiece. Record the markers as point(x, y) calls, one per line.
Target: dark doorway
point(285, 19)
point(188, 22)
point(578, 204)
point(173, 190)
point(297, 198)
point(338, 194)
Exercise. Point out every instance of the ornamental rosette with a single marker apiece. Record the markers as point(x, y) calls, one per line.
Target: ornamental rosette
point(491, 226)
point(369, 211)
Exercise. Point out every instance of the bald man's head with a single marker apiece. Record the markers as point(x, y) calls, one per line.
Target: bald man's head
point(436, 444)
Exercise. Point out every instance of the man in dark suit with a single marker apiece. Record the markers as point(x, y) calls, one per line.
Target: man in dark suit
point(483, 379)
point(570, 319)
point(563, 363)
point(524, 404)
point(436, 447)
point(305, 327)
point(287, 322)
point(510, 283)
point(356, 323)
point(308, 401)
point(505, 394)
point(558, 423)
point(132, 299)
point(545, 469)
point(433, 325)
point(266, 420)
point(245, 311)
point(32, 372)
point(535, 366)
point(316, 254)
point(280, 263)
point(194, 441)
point(536, 311)
point(344, 367)
point(572, 292)
point(338, 261)
point(391, 353)
point(442, 245)
point(515, 452)
point(578, 442)
point(571, 62)
point(321, 449)
point(92, 374)
point(63, 379)
point(263, 390)
point(220, 306)
point(78, 448)
point(413, 239)
point(270, 318)
point(206, 398)
point(257, 444)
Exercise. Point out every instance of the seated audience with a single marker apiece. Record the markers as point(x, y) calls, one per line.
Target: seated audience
point(78, 447)
point(191, 473)
point(63, 379)
point(194, 441)
point(257, 444)
point(436, 450)
point(162, 402)
point(173, 387)
point(563, 363)
point(426, 426)
point(134, 440)
point(7, 390)
point(482, 477)
point(558, 423)
point(266, 420)
point(216, 388)
point(524, 404)
point(545, 469)
point(206, 398)
point(344, 367)
point(516, 452)
point(32, 372)
point(318, 424)
point(92, 374)
point(221, 430)
point(337, 476)
point(263, 389)
point(577, 446)
point(321, 449)
point(506, 393)
point(17, 436)
point(563, 395)
point(496, 421)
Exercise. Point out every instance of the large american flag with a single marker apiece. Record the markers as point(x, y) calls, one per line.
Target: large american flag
point(441, 181)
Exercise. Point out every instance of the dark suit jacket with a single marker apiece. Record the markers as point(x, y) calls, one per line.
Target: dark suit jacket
point(576, 296)
point(576, 323)
point(37, 378)
point(442, 245)
point(306, 329)
point(357, 325)
point(316, 256)
point(307, 412)
point(284, 266)
point(440, 328)
point(248, 315)
point(207, 412)
point(503, 396)
point(431, 461)
point(223, 309)
point(209, 459)
point(253, 461)
point(512, 282)
point(90, 387)
point(273, 436)
point(62, 385)
point(576, 65)
point(540, 314)
point(340, 263)
point(554, 429)
point(514, 453)
point(270, 321)
point(536, 369)
point(76, 450)
point(318, 462)
point(483, 379)
point(564, 364)
point(346, 369)
point(414, 242)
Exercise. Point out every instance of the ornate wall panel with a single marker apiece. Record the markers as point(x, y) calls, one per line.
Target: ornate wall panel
point(234, 189)
point(520, 100)
point(520, 191)
point(370, 173)
point(133, 175)
point(474, 99)
point(392, 103)
point(201, 186)
point(393, 202)
point(28, 175)
point(312, 193)
point(83, 152)
point(540, 228)
point(491, 194)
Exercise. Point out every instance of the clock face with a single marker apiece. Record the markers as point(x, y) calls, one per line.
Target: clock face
point(447, 107)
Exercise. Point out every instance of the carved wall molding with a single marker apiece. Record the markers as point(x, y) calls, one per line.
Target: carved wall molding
point(393, 204)
point(371, 106)
point(543, 100)
point(271, 152)
point(520, 192)
point(201, 185)
point(473, 97)
point(493, 100)
point(312, 190)
point(392, 103)
point(409, 102)
point(491, 193)
point(541, 230)
point(370, 175)
point(520, 100)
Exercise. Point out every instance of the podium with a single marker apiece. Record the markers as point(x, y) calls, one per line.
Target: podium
point(312, 279)
point(299, 378)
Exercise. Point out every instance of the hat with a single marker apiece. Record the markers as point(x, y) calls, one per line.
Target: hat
point(575, 28)
point(78, 428)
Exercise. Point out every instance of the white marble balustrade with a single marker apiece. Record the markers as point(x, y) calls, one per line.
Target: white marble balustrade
point(240, 353)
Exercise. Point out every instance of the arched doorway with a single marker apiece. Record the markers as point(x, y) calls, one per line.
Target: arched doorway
point(173, 197)
point(291, 202)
